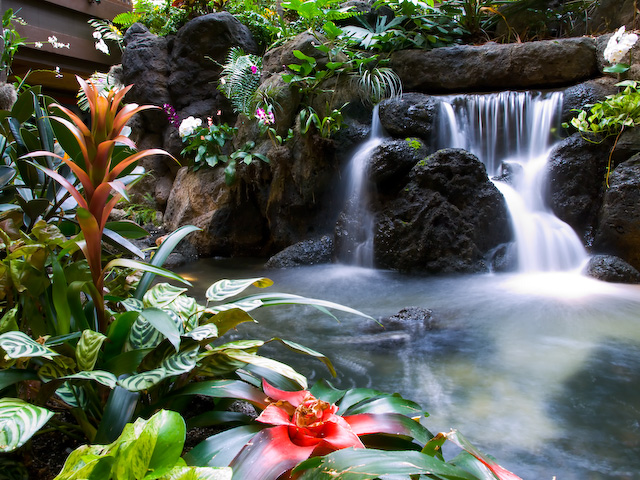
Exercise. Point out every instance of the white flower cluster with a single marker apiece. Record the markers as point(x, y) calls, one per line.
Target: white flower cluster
point(100, 44)
point(619, 44)
point(53, 40)
point(188, 126)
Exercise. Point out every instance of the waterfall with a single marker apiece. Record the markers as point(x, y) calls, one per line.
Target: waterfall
point(512, 132)
point(360, 222)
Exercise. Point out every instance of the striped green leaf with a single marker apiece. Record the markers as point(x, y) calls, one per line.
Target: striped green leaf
point(72, 395)
point(203, 332)
point(143, 381)
point(132, 304)
point(162, 295)
point(88, 349)
point(19, 420)
point(151, 327)
point(19, 345)
point(181, 362)
point(107, 379)
point(244, 305)
point(228, 288)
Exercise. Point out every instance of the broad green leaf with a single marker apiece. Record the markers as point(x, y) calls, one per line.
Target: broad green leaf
point(9, 321)
point(19, 345)
point(235, 389)
point(118, 333)
point(168, 434)
point(374, 463)
point(59, 292)
point(73, 395)
point(216, 417)
point(154, 324)
point(19, 420)
point(296, 347)
point(117, 413)
point(127, 229)
point(121, 243)
point(218, 450)
point(225, 288)
point(11, 376)
point(88, 349)
point(145, 267)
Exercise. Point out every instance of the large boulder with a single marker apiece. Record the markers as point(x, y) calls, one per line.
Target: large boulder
point(446, 217)
point(609, 268)
point(492, 66)
point(200, 47)
point(582, 94)
point(576, 174)
point(618, 230)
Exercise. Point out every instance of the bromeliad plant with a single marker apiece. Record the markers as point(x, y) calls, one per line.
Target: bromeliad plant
point(99, 156)
point(361, 426)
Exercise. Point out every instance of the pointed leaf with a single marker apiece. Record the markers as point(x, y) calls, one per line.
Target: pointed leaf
point(88, 349)
point(107, 379)
point(218, 450)
point(162, 322)
point(235, 389)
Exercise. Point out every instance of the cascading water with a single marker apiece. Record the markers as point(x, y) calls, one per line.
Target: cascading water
point(360, 224)
point(513, 131)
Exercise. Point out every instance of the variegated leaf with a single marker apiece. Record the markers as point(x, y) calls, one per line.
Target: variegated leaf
point(208, 331)
point(181, 362)
point(246, 305)
point(88, 349)
point(19, 420)
point(132, 304)
point(144, 380)
point(239, 345)
point(269, 363)
point(161, 295)
point(187, 309)
point(107, 379)
point(228, 288)
point(144, 335)
point(72, 395)
point(19, 345)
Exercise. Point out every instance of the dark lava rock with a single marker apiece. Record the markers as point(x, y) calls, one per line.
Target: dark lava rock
point(445, 219)
point(576, 173)
point(411, 115)
point(609, 268)
point(618, 230)
point(391, 162)
point(307, 252)
point(411, 317)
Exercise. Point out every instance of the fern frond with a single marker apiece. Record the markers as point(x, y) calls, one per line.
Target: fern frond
point(240, 79)
point(126, 19)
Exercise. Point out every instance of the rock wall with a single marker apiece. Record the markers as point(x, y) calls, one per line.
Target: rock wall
point(434, 211)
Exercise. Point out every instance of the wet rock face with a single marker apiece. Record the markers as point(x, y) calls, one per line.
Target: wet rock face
point(308, 252)
point(446, 218)
point(411, 115)
point(619, 225)
point(576, 172)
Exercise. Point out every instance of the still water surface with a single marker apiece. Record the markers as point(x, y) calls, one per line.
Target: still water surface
point(540, 370)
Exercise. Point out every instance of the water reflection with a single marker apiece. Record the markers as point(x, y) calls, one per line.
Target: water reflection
point(540, 370)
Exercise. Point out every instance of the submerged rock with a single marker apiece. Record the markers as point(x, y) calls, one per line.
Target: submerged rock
point(609, 268)
point(307, 252)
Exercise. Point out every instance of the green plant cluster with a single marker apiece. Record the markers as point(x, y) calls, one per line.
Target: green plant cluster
point(211, 145)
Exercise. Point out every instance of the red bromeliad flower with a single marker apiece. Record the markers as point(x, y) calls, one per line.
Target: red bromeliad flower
point(303, 426)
